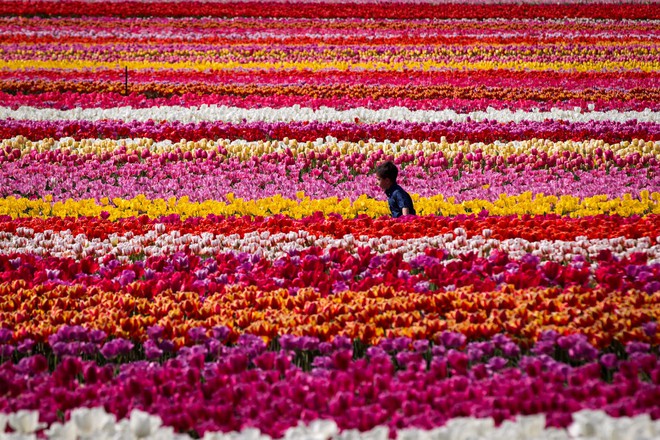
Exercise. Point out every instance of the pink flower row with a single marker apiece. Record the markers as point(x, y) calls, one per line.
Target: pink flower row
point(210, 178)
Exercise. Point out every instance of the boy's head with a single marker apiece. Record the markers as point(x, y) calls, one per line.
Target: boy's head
point(386, 173)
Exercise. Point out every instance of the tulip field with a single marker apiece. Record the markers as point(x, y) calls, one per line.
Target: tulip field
point(193, 242)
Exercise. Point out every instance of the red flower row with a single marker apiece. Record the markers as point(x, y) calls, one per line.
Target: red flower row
point(548, 227)
point(392, 10)
point(491, 131)
point(327, 274)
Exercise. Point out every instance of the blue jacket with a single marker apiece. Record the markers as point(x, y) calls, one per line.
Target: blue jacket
point(399, 199)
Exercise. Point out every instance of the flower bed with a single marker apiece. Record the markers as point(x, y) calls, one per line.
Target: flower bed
point(196, 247)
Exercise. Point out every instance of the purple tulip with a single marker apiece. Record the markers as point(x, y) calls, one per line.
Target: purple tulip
point(609, 360)
point(6, 350)
point(97, 336)
point(198, 334)
point(221, 333)
point(26, 346)
point(452, 340)
point(637, 347)
point(650, 328)
point(289, 342)
point(342, 343)
point(155, 332)
point(325, 348)
point(6, 335)
point(151, 350)
point(126, 277)
point(116, 347)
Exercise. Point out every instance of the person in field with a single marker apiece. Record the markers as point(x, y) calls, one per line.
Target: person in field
point(399, 200)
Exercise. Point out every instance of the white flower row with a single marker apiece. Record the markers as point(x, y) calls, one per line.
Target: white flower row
point(156, 242)
point(322, 114)
point(95, 423)
point(195, 34)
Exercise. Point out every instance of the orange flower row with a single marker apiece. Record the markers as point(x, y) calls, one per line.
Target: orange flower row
point(329, 90)
point(602, 315)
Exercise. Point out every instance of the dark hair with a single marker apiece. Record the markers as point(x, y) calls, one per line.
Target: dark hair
point(387, 170)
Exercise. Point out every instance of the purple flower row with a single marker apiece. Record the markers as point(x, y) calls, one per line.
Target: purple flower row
point(397, 383)
point(216, 343)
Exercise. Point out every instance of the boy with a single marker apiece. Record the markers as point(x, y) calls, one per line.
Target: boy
point(399, 200)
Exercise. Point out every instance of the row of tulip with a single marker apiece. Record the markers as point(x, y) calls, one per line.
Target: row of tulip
point(538, 56)
point(531, 228)
point(222, 341)
point(302, 206)
point(98, 424)
point(202, 180)
point(645, 64)
point(376, 31)
point(323, 114)
point(39, 97)
point(613, 93)
point(423, 387)
point(485, 131)
point(330, 149)
point(314, 9)
point(65, 244)
point(592, 86)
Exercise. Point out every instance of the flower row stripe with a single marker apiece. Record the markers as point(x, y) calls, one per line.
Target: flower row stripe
point(579, 66)
point(318, 10)
point(472, 56)
point(388, 83)
point(272, 246)
point(424, 97)
point(323, 114)
point(297, 30)
point(148, 426)
point(103, 99)
point(603, 315)
point(534, 229)
point(323, 149)
point(505, 205)
point(57, 177)
point(607, 131)
point(97, 423)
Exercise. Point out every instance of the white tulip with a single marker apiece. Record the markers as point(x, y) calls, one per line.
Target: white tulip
point(17, 436)
point(57, 431)
point(88, 422)
point(25, 421)
point(317, 430)
point(413, 434)
point(586, 423)
point(143, 424)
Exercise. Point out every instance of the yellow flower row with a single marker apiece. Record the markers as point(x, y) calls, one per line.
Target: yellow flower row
point(248, 149)
point(526, 203)
point(428, 65)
